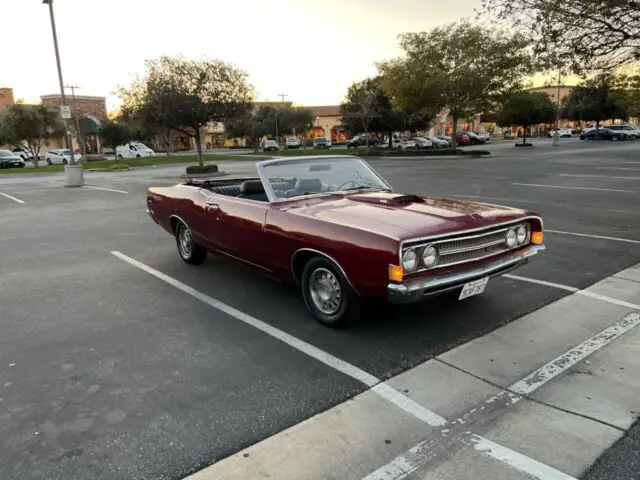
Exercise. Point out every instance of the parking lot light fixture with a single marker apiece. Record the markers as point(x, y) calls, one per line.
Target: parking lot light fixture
point(75, 175)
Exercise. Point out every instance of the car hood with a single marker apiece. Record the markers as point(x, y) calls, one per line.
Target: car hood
point(402, 217)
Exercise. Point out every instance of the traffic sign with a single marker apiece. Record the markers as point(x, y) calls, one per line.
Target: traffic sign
point(65, 112)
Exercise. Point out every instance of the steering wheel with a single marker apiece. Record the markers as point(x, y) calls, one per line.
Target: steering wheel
point(352, 182)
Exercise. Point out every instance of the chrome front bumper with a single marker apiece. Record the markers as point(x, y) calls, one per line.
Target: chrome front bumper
point(416, 289)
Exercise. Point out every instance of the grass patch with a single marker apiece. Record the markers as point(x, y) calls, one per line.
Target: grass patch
point(119, 166)
point(42, 169)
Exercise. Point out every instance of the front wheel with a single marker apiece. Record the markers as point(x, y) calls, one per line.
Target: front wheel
point(190, 251)
point(328, 295)
point(49, 162)
point(64, 161)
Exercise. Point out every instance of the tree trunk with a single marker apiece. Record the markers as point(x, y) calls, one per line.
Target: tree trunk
point(390, 138)
point(167, 141)
point(597, 128)
point(454, 140)
point(524, 136)
point(199, 147)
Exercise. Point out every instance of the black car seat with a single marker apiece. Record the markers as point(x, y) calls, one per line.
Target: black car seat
point(253, 190)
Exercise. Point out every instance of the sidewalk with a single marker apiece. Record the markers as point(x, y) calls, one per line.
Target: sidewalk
point(542, 397)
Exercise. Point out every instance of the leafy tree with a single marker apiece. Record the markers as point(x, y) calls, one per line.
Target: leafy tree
point(580, 34)
point(362, 110)
point(30, 126)
point(115, 134)
point(465, 68)
point(630, 85)
point(525, 109)
point(597, 99)
point(184, 95)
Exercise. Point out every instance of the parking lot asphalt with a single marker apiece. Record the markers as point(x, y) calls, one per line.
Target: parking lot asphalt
point(106, 372)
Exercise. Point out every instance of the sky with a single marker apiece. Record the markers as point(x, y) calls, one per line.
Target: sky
point(310, 50)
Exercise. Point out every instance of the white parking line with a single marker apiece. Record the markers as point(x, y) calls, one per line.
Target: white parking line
point(12, 198)
point(563, 187)
point(601, 237)
point(635, 163)
point(537, 202)
point(422, 453)
point(596, 176)
point(585, 293)
point(516, 460)
point(560, 364)
point(105, 189)
point(617, 168)
point(382, 389)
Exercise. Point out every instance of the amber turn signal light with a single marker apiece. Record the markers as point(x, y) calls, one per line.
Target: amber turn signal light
point(396, 272)
point(537, 238)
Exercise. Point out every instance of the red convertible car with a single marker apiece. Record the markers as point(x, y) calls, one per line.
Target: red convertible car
point(335, 227)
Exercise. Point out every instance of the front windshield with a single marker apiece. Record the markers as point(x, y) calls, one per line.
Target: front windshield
point(6, 153)
point(293, 178)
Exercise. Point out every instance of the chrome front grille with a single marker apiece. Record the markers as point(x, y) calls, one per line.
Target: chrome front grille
point(468, 248)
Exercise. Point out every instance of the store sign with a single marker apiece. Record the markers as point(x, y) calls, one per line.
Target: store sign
point(65, 112)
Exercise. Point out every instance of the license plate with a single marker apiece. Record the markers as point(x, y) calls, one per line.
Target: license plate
point(473, 288)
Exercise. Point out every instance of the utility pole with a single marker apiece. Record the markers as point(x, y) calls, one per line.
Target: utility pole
point(282, 96)
point(62, 95)
point(558, 106)
point(75, 113)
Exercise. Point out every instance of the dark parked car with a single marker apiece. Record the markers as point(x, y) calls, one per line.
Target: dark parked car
point(362, 141)
point(336, 228)
point(9, 159)
point(603, 134)
point(321, 142)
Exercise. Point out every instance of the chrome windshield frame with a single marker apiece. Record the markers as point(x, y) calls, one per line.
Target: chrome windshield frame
point(264, 178)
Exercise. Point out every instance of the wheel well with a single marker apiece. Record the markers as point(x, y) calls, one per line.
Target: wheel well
point(299, 260)
point(302, 257)
point(174, 223)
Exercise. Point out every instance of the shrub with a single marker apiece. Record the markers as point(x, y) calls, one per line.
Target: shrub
point(195, 169)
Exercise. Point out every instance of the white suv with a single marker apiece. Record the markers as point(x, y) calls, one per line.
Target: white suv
point(563, 132)
point(632, 132)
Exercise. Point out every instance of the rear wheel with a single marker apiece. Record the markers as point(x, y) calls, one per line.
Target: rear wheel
point(64, 161)
point(190, 251)
point(49, 162)
point(328, 295)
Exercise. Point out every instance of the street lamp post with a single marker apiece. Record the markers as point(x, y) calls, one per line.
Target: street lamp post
point(75, 175)
point(73, 89)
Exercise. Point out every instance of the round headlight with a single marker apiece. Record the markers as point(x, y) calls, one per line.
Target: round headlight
point(429, 256)
point(512, 238)
point(522, 234)
point(410, 260)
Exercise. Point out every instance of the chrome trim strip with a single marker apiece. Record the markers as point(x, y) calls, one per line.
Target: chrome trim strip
point(324, 255)
point(269, 190)
point(449, 234)
point(453, 251)
point(418, 287)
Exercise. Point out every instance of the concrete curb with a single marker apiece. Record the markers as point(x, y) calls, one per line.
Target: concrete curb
point(203, 175)
point(430, 157)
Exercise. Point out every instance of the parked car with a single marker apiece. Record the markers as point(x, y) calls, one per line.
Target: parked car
point(60, 156)
point(463, 138)
point(362, 141)
point(336, 228)
point(9, 159)
point(270, 145)
point(603, 134)
point(133, 150)
point(403, 144)
point(484, 136)
point(23, 153)
point(292, 142)
point(475, 139)
point(563, 132)
point(422, 143)
point(445, 138)
point(321, 142)
point(631, 132)
point(439, 142)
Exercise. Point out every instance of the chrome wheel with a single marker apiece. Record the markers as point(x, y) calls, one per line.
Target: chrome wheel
point(185, 242)
point(325, 291)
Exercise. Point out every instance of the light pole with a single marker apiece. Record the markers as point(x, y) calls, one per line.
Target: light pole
point(62, 95)
point(73, 89)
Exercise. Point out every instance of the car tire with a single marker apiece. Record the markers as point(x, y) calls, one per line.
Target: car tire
point(64, 161)
point(138, 156)
point(190, 251)
point(49, 162)
point(322, 277)
point(615, 138)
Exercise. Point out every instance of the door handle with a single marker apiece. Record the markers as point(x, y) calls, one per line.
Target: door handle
point(212, 205)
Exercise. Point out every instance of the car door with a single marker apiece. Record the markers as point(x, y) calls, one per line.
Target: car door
point(238, 227)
